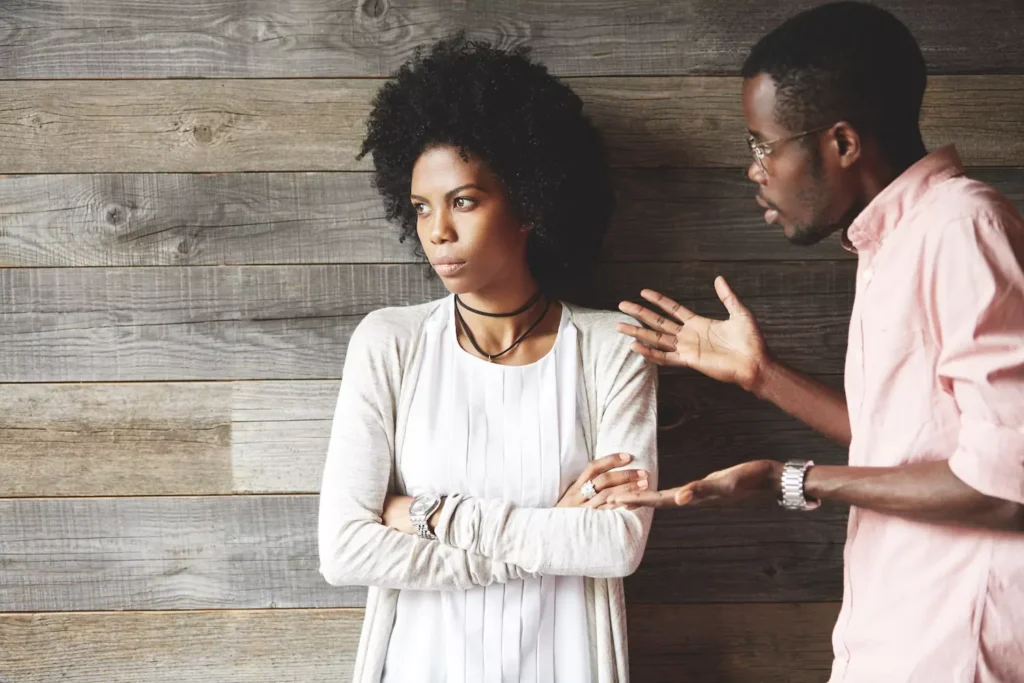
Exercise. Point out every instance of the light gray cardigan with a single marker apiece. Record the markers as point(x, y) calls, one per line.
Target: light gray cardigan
point(481, 542)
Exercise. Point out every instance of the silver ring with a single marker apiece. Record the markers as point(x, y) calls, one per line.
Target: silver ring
point(588, 489)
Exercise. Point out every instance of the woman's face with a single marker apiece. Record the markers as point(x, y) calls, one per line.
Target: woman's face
point(465, 223)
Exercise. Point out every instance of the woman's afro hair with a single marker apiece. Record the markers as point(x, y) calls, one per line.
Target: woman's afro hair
point(524, 124)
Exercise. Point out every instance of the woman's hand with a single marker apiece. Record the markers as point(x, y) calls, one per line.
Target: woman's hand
point(606, 483)
point(730, 350)
point(396, 513)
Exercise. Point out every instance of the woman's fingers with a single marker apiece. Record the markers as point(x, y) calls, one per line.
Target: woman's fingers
point(601, 500)
point(602, 465)
point(610, 480)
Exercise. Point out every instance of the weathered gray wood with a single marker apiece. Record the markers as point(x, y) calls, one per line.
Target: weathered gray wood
point(191, 323)
point(163, 553)
point(137, 439)
point(278, 218)
point(144, 38)
point(752, 643)
point(194, 219)
point(743, 643)
point(78, 554)
point(316, 124)
point(293, 322)
point(250, 646)
point(182, 125)
point(206, 438)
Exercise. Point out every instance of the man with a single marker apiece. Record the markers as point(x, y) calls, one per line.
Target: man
point(933, 412)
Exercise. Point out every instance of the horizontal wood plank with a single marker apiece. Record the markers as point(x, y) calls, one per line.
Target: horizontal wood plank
point(298, 38)
point(744, 643)
point(250, 646)
point(75, 554)
point(208, 438)
point(163, 553)
point(317, 124)
point(293, 322)
point(760, 643)
point(281, 218)
point(291, 218)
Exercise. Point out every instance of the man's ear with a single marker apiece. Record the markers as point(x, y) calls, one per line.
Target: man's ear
point(848, 144)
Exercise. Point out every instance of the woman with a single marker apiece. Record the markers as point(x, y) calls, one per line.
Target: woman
point(477, 438)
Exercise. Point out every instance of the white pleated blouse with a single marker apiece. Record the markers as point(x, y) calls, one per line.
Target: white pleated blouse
point(511, 433)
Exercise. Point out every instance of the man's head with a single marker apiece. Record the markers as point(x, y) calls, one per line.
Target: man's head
point(832, 99)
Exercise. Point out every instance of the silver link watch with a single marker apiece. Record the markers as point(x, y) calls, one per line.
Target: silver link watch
point(420, 510)
point(794, 473)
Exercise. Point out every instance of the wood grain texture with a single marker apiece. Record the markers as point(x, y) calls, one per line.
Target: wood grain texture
point(208, 438)
point(766, 643)
point(291, 218)
point(293, 322)
point(282, 218)
point(298, 38)
point(317, 124)
point(139, 439)
point(235, 552)
point(251, 646)
point(743, 643)
point(163, 553)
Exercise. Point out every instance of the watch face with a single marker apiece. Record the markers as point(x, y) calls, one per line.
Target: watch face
point(420, 505)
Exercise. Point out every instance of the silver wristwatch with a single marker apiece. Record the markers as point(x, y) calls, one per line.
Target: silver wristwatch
point(420, 510)
point(794, 473)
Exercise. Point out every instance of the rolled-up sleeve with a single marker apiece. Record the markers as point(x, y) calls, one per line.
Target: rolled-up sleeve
point(978, 307)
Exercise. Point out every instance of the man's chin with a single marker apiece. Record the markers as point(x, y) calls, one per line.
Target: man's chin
point(806, 235)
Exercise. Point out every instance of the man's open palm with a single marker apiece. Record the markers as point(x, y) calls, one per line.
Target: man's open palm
point(731, 350)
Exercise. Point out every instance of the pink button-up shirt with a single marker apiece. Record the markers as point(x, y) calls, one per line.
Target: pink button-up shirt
point(935, 371)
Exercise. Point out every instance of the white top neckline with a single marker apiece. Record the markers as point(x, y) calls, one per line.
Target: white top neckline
point(453, 331)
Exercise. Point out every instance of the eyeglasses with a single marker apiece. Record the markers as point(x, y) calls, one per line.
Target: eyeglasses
point(760, 150)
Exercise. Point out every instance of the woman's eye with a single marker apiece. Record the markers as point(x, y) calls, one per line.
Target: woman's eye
point(463, 202)
point(419, 208)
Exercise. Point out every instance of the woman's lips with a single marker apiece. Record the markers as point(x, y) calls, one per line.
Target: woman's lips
point(447, 267)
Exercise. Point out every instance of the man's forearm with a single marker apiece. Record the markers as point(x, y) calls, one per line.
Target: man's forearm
point(816, 404)
point(927, 492)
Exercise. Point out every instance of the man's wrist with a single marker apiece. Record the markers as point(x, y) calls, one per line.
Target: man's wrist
point(766, 371)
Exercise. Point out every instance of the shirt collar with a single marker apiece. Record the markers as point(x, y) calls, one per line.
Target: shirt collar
point(891, 205)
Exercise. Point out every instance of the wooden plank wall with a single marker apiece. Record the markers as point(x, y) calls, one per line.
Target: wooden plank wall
point(187, 242)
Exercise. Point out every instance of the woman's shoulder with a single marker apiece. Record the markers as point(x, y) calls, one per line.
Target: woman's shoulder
point(395, 326)
point(597, 325)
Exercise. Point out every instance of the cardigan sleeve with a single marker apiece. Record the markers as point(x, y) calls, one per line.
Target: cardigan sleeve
point(354, 545)
point(575, 541)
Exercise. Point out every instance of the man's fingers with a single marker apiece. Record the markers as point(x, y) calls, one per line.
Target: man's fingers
point(673, 308)
point(653, 338)
point(728, 297)
point(655, 321)
point(649, 499)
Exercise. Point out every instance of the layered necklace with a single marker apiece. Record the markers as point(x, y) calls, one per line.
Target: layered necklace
point(519, 311)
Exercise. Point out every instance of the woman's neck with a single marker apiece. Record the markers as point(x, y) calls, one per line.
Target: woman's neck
point(496, 333)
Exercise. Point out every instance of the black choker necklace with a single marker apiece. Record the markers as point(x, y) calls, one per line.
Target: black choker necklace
point(472, 340)
point(522, 309)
